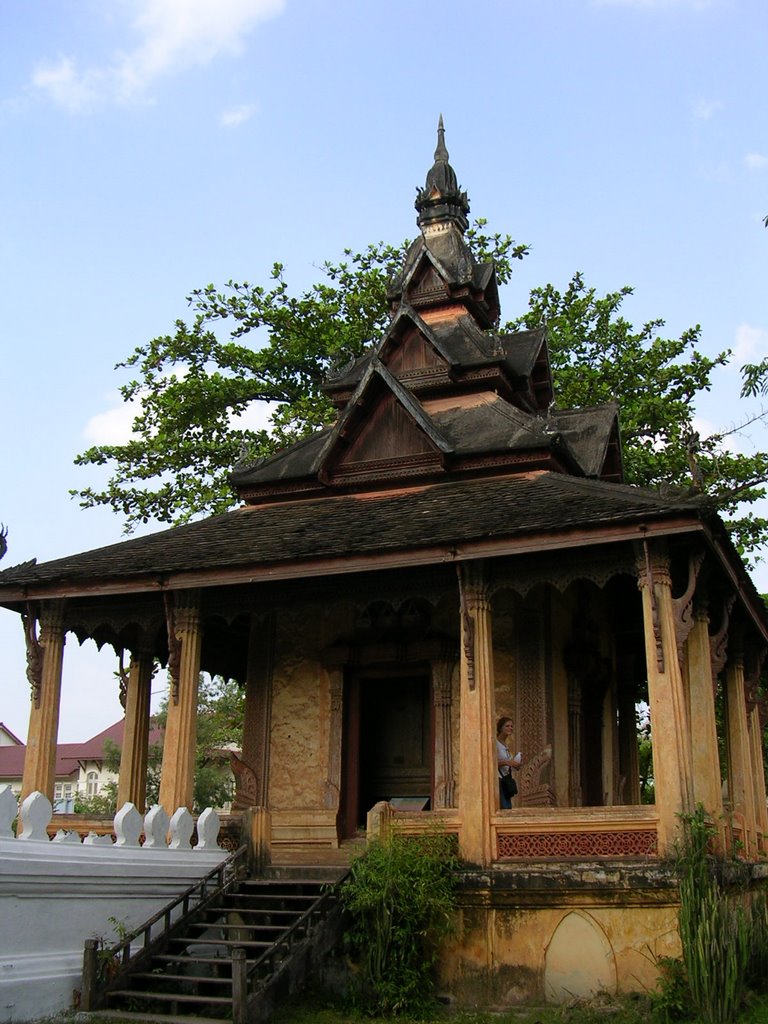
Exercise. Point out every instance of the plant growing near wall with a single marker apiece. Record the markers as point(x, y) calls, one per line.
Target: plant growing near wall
point(715, 931)
point(400, 896)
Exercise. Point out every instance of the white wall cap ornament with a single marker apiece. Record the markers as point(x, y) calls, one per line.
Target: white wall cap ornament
point(128, 825)
point(182, 825)
point(94, 839)
point(9, 808)
point(35, 814)
point(156, 825)
point(66, 836)
point(208, 825)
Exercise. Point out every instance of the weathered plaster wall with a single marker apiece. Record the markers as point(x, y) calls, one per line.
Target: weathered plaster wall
point(537, 945)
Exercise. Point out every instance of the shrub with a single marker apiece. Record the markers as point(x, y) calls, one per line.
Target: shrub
point(400, 896)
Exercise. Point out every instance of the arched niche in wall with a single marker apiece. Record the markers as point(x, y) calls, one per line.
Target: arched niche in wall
point(579, 960)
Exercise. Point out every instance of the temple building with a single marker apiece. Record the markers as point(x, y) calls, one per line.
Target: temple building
point(453, 548)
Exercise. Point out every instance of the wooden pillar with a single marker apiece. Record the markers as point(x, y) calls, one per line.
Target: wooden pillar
point(707, 784)
point(185, 640)
point(132, 782)
point(478, 785)
point(257, 719)
point(44, 663)
point(740, 788)
point(332, 792)
point(666, 697)
point(758, 776)
point(574, 741)
point(442, 673)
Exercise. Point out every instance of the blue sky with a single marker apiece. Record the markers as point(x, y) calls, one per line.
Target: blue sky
point(149, 147)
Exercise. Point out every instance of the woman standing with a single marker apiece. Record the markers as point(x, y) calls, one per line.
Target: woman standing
point(507, 785)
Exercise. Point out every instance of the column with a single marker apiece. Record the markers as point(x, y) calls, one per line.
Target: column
point(332, 791)
point(478, 786)
point(707, 784)
point(44, 663)
point(132, 782)
point(185, 641)
point(758, 775)
point(666, 697)
point(442, 673)
point(257, 719)
point(574, 741)
point(740, 787)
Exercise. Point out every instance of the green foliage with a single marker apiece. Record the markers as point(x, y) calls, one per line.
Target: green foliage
point(400, 896)
point(671, 1001)
point(598, 356)
point(101, 805)
point(645, 754)
point(715, 931)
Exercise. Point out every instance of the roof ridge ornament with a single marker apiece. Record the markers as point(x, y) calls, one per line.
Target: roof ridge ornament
point(441, 202)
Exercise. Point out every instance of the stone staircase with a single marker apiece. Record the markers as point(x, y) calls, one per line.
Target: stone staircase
point(233, 957)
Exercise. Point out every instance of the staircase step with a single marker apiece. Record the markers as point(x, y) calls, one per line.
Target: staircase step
point(208, 979)
point(180, 958)
point(186, 940)
point(233, 926)
point(168, 997)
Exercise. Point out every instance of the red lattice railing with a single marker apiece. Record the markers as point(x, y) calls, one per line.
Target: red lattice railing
point(532, 845)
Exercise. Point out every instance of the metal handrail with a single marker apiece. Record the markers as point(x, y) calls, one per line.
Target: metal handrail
point(120, 953)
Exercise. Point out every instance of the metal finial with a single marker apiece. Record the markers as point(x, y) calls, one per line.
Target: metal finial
point(441, 153)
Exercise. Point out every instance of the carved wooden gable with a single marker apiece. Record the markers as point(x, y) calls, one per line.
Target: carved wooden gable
point(412, 354)
point(385, 434)
point(426, 286)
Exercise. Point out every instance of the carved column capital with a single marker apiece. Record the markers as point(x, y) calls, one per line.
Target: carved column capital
point(182, 614)
point(187, 610)
point(52, 623)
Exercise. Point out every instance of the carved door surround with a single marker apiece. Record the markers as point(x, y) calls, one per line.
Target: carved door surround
point(436, 657)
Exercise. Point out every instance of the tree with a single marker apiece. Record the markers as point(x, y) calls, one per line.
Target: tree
point(249, 344)
point(192, 386)
point(598, 356)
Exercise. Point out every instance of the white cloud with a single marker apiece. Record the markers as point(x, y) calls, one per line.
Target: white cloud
point(114, 425)
point(756, 161)
point(750, 346)
point(703, 110)
point(172, 35)
point(237, 115)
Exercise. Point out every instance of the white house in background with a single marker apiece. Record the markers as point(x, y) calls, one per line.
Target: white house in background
point(8, 738)
point(79, 766)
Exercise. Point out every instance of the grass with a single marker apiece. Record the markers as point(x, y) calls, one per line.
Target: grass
point(309, 1009)
point(633, 1009)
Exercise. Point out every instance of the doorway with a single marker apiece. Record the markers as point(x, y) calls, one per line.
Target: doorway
point(387, 750)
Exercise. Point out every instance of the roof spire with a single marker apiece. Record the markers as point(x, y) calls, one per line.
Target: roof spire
point(441, 201)
point(441, 153)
